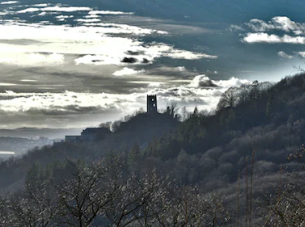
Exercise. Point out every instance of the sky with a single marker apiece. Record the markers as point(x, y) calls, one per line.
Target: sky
point(74, 64)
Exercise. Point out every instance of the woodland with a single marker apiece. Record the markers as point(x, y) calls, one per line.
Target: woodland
point(240, 165)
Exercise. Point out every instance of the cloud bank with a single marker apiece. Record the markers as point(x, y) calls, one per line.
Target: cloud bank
point(94, 44)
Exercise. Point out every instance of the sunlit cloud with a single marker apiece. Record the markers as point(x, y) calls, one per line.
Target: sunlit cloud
point(277, 23)
point(88, 20)
point(8, 84)
point(266, 38)
point(261, 31)
point(29, 59)
point(107, 12)
point(28, 80)
point(120, 54)
point(127, 71)
point(55, 9)
point(63, 17)
point(41, 5)
point(282, 54)
point(233, 28)
point(181, 68)
point(155, 84)
point(7, 153)
point(301, 54)
point(9, 2)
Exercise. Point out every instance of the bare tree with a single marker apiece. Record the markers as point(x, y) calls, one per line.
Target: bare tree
point(136, 203)
point(82, 197)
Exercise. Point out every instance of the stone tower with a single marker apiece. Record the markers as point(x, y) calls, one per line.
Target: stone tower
point(152, 104)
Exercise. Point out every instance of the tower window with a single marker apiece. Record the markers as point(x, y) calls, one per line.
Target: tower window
point(154, 104)
point(153, 100)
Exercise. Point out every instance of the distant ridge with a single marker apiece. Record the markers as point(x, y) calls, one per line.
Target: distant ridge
point(51, 133)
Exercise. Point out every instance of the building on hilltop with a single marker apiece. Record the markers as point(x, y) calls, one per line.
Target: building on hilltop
point(91, 134)
point(152, 104)
point(88, 135)
point(73, 139)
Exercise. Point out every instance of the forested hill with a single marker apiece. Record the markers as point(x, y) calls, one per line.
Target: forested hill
point(268, 121)
point(256, 132)
point(137, 129)
point(205, 147)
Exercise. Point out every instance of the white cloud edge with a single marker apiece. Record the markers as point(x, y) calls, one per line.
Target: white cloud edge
point(127, 72)
point(267, 38)
point(282, 54)
point(9, 2)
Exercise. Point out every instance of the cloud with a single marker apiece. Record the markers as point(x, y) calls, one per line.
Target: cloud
point(266, 38)
point(85, 109)
point(28, 10)
point(301, 54)
point(155, 84)
point(234, 28)
point(56, 8)
point(120, 54)
point(41, 5)
point(63, 17)
point(92, 16)
point(31, 59)
point(107, 12)
point(187, 55)
point(42, 14)
point(88, 20)
point(202, 81)
point(127, 72)
point(261, 31)
point(282, 54)
point(91, 42)
point(111, 28)
point(36, 55)
point(232, 82)
point(277, 23)
point(59, 8)
point(9, 2)
point(7, 152)
point(8, 84)
point(28, 80)
point(80, 40)
point(181, 68)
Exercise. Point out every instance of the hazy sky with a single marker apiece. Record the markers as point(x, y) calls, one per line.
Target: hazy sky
point(79, 63)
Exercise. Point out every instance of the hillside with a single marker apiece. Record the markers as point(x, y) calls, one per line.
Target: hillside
point(139, 129)
point(253, 142)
